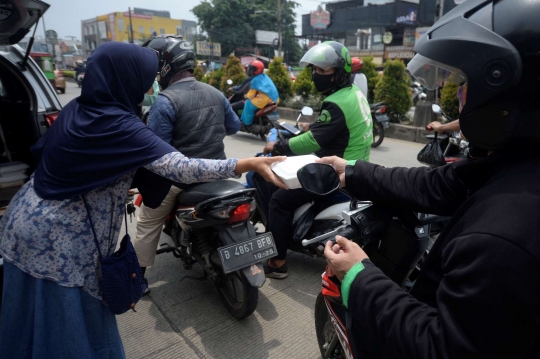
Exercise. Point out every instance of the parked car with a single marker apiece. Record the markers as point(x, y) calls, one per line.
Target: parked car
point(28, 101)
point(59, 81)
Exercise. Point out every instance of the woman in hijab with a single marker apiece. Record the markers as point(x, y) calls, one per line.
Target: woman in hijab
point(52, 303)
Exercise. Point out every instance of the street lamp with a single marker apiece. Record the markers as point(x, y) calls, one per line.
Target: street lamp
point(278, 13)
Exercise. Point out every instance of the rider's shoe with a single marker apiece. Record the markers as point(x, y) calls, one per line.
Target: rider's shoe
point(277, 273)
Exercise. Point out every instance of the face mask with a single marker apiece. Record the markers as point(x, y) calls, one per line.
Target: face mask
point(150, 99)
point(323, 83)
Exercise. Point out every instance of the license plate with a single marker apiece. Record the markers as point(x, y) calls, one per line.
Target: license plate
point(383, 120)
point(240, 255)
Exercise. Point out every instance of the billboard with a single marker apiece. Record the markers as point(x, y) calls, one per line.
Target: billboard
point(319, 19)
point(102, 29)
point(208, 48)
point(266, 37)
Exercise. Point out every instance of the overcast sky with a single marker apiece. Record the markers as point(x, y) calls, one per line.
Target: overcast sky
point(65, 16)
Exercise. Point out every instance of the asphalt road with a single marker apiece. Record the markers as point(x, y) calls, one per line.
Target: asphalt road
point(182, 317)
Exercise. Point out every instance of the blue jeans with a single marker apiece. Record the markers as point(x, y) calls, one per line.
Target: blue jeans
point(43, 320)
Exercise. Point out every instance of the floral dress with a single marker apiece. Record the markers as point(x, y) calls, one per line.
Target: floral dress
point(53, 240)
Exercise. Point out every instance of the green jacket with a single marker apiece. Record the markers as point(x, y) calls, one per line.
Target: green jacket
point(343, 129)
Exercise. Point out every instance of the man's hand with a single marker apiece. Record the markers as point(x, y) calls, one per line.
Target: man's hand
point(268, 148)
point(229, 89)
point(341, 257)
point(305, 126)
point(261, 165)
point(437, 126)
point(338, 164)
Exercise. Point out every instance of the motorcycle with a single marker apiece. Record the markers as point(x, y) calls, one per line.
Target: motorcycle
point(261, 124)
point(210, 226)
point(417, 92)
point(380, 122)
point(454, 147)
point(80, 79)
point(395, 240)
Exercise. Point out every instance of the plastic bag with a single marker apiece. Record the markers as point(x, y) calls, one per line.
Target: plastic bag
point(432, 154)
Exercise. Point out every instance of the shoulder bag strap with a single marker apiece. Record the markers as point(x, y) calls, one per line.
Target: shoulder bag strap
point(92, 226)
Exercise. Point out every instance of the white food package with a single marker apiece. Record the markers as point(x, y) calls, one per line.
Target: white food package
point(286, 170)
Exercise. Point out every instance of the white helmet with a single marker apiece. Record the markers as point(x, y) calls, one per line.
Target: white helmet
point(79, 62)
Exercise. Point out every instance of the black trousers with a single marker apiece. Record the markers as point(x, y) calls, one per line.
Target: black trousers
point(280, 211)
point(237, 106)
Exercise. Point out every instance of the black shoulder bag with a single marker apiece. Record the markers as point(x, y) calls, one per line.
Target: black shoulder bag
point(122, 281)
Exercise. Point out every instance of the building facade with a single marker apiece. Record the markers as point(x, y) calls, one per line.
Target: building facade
point(384, 29)
point(137, 28)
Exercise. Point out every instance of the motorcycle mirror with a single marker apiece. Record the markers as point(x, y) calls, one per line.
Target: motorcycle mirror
point(422, 96)
point(307, 111)
point(318, 178)
point(436, 108)
point(229, 82)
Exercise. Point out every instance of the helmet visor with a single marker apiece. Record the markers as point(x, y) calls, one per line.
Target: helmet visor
point(431, 73)
point(321, 55)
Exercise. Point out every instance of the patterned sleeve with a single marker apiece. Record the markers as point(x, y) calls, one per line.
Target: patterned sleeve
point(177, 167)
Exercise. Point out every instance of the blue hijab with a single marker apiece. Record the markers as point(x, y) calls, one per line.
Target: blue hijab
point(98, 137)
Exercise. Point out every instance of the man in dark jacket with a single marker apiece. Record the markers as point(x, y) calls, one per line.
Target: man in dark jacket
point(478, 293)
point(193, 117)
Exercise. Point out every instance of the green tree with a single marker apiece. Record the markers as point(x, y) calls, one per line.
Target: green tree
point(279, 75)
point(232, 23)
point(372, 76)
point(234, 71)
point(303, 86)
point(393, 90)
point(198, 73)
point(215, 78)
point(449, 101)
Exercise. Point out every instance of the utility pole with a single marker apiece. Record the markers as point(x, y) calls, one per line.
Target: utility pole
point(279, 26)
point(130, 27)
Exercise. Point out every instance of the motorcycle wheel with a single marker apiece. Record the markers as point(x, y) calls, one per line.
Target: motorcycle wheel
point(238, 296)
point(325, 330)
point(378, 134)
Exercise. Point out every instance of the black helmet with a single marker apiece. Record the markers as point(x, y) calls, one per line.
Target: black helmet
point(493, 48)
point(330, 54)
point(175, 55)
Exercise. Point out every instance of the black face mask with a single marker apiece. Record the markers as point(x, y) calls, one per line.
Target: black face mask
point(323, 83)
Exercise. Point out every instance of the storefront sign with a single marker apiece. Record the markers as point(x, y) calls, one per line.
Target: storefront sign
point(398, 52)
point(137, 16)
point(409, 36)
point(112, 28)
point(320, 19)
point(409, 18)
point(208, 48)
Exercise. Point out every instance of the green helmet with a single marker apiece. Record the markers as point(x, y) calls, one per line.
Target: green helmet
point(327, 55)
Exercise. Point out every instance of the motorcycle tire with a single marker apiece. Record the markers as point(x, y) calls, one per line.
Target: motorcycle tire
point(378, 134)
point(325, 329)
point(229, 292)
point(263, 137)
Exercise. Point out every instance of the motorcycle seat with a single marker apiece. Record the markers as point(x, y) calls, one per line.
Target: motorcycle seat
point(269, 108)
point(204, 191)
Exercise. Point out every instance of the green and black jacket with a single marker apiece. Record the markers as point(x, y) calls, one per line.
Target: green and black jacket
point(343, 129)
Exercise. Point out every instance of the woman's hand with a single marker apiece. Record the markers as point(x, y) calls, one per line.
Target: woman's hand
point(338, 164)
point(341, 257)
point(261, 165)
